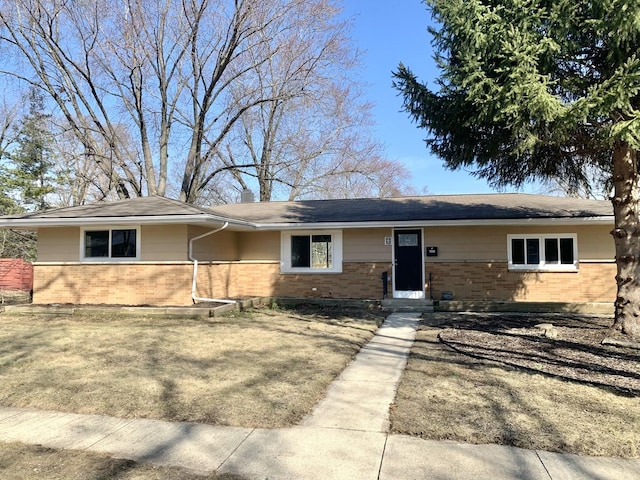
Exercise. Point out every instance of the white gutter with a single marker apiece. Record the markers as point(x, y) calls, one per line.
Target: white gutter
point(34, 223)
point(600, 220)
point(195, 268)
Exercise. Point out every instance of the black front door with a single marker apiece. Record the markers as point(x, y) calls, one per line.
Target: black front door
point(408, 260)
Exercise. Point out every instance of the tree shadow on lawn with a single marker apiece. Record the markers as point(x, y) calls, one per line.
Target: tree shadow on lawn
point(575, 355)
point(331, 313)
point(31, 462)
point(267, 373)
point(278, 389)
point(312, 316)
point(489, 394)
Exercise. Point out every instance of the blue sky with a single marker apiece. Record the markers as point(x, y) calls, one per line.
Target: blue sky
point(388, 33)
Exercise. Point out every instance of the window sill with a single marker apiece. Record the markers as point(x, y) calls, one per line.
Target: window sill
point(549, 269)
point(308, 271)
point(109, 260)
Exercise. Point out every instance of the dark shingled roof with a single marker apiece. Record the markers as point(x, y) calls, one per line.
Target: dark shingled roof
point(132, 207)
point(509, 206)
point(429, 208)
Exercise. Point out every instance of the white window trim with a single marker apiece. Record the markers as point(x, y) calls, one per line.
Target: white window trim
point(285, 251)
point(109, 259)
point(542, 266)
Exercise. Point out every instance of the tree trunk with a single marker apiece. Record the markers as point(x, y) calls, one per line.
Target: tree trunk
point(626, 234)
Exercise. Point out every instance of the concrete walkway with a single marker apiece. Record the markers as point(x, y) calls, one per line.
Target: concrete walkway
point(346, 437)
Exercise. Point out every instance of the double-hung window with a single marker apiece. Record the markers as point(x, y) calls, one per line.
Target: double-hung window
point(312, 252)
point(553, 252)
point(105, 244)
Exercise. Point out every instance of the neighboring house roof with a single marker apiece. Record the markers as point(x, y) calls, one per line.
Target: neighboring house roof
point(515, 208)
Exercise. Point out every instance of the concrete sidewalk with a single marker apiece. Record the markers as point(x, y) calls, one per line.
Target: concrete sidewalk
point(345, 437)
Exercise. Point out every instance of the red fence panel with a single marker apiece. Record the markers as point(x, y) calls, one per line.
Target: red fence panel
point(16, 275)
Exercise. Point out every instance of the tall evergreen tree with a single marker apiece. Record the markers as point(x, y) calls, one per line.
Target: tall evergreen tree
point(13, 244)
point(32, 172)
point(532, 89)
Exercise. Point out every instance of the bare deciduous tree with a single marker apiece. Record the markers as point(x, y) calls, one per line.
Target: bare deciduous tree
point(9, 112)
point(598, 184)
point(58, 44)
point(316, 129)
point(168, 96)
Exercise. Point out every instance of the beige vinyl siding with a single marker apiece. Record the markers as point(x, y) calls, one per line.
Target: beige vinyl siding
point(482, 244)
point(457, 244)
point(59, 244)
point(157, 242)
point(163, 243)
point(366, 245)
point(259, 246)
point(596, 243)
point(220, 246)
point(478, 244)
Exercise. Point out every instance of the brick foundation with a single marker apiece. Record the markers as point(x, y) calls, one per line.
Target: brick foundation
point(115, 284)
point(170, 284)
point(594, 282)
point(357, 280)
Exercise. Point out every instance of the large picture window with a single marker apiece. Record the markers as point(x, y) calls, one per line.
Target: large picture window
point(542, 252)
point(319, 252)
point(110, 244)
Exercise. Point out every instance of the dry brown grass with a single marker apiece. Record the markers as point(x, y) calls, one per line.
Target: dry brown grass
point(30, 462)
point(258, 369)
point(496, 389)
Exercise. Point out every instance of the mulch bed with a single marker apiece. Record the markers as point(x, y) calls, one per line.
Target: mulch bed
point(576, 354)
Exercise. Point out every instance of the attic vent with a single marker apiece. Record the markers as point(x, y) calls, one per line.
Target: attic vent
point(247, 196)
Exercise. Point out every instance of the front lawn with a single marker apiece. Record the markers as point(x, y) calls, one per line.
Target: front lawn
point(264, 368)
point(497, 379)
point(34, 462)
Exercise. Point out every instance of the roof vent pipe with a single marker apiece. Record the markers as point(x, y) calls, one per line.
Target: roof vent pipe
point(247, 196)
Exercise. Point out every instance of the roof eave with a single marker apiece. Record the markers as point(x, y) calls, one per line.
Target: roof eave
point(599, 220)
point(35, 223)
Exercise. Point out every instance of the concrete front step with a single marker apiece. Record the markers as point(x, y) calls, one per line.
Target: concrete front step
point(408, 305)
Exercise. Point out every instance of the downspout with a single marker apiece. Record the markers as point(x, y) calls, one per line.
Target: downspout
point(195, 268)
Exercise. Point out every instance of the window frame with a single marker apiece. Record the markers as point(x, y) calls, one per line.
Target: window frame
point(543, 266)
point(109, 258)
point(286, 244)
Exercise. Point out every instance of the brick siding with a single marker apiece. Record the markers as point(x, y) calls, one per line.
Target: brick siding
point(112, 283)
point(357, 280)
point(594, 282)
point(170, 284)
